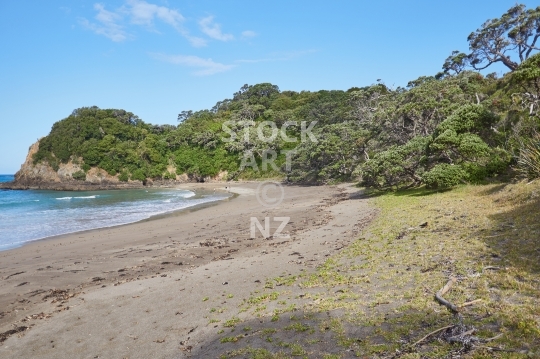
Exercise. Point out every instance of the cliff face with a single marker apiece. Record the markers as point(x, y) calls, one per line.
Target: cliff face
point(31, 173)
point(43, 176)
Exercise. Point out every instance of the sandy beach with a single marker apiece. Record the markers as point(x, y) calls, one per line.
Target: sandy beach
point(144, 290)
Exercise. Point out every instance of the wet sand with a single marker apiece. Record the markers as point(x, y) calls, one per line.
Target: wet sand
point(139, 290)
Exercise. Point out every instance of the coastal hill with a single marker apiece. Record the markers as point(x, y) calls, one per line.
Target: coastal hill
point(438, 131)
point(457, 126)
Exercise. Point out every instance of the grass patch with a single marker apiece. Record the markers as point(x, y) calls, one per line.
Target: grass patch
point(231, 323)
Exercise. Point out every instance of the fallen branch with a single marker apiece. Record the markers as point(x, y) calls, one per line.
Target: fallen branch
point(495, 349)
point(432, 333)
point(472, 302)
point(492, 339)
point(441, 300)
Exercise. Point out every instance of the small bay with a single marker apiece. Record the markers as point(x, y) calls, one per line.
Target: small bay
point(36, 214)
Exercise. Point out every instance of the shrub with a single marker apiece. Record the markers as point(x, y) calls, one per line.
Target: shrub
point(79, 175)
point(397, 166)
point(529, 157)
point(123, 176)
point(169, 175)
point(138, 175)
point(444, 175)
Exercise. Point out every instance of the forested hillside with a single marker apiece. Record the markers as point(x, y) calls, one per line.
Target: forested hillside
point(441, 130)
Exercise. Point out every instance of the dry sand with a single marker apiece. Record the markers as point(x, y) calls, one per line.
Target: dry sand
point(138, 291)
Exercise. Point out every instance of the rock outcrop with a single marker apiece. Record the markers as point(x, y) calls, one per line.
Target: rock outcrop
point(42, 176)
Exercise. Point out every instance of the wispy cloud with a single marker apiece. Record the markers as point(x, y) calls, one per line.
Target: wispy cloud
point(279, 56)
point(139, 12)
point(248, 34)
point(213, 30)
point(204, 67)
point(107, 24)
point(144, 13)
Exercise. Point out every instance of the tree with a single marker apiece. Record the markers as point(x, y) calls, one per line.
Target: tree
point(184, 115)
point(516, 31)
point(398, 166)
point(334, 157)
point(527, 77)
point(456, 62)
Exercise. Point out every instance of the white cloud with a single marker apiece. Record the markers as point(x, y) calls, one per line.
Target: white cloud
point(195, 41)
point(214, 30)
point(248, 34)
point(142, 13)
point(205, 66)
point(107, 24)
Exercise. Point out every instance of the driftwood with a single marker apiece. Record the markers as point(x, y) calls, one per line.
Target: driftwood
point(453, 308)
point(457, 333)
point(432, 333)
point(472, 302)
point(439, 296)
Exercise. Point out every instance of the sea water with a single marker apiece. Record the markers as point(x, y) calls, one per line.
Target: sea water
point(36, 214)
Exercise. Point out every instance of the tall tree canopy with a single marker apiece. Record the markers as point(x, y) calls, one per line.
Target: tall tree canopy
point(510, 40)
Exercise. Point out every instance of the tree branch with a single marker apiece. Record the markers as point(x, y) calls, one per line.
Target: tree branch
point(442, 291)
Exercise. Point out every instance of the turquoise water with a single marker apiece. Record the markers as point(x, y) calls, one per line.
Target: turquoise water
point(30, 215)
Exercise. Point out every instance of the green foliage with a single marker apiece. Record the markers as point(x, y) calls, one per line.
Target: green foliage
point(138, 175)
point(455, 63)
point(456, 151)
point(528, 163)
point(398, 166)
point(527, 79)
point(333, 157)
point(438, 131)
point(123, 176)
point(79, 175)
point(444, 175)
point(169, 176)
point(200, 162)
point(516, 30)
point(468, 118)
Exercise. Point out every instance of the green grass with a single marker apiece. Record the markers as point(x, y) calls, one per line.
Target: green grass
point(231, 323)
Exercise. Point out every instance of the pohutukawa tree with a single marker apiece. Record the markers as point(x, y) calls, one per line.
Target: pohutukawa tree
point(510, 40)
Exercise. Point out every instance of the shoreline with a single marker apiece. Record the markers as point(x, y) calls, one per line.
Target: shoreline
point(195, 207)
point(77, 186)
point(90, 294)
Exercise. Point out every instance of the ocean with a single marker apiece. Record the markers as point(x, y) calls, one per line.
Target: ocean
point(35, 214)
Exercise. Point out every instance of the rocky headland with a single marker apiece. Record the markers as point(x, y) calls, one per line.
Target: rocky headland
point(41, 175)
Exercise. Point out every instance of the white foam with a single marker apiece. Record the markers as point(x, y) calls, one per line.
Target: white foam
point(64, 198)
point(188, 195)
point(85, 197)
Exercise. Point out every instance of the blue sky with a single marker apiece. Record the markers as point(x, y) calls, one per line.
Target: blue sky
point(157, 58)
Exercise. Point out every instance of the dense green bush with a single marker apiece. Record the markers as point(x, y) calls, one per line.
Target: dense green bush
point(398, 166)
point(79, 175)
point(123, 176)
point(444, 175)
